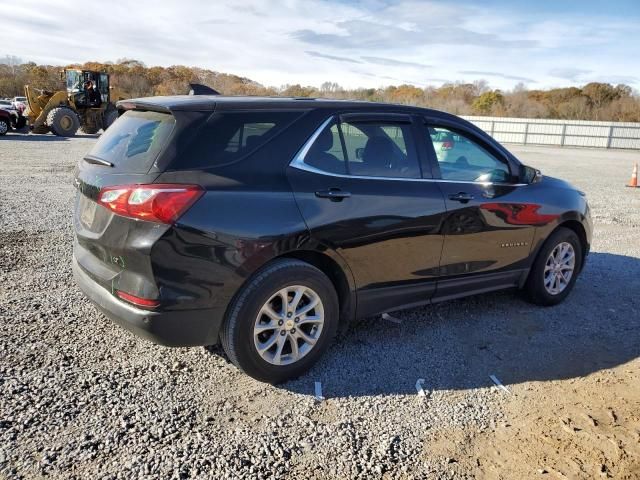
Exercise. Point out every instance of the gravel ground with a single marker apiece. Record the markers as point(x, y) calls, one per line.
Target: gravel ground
point(82, 398)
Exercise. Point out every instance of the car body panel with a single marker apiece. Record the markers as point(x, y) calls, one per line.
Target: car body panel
point(368, 233)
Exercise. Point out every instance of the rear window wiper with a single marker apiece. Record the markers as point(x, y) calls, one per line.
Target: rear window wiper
point(97, 161)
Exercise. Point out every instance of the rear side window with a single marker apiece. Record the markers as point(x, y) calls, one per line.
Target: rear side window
point(229, 136)
point(135, 140)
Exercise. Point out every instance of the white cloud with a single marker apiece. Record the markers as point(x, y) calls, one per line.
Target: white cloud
point(369, 43)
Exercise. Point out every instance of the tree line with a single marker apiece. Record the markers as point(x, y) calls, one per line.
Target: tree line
point(132, 78)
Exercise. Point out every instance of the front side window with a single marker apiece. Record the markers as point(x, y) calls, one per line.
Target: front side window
point(460, 158)
point(368, 149)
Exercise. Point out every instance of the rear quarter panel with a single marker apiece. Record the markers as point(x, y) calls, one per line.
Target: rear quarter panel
point(223, 239)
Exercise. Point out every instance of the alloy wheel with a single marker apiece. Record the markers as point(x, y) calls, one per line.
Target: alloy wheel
point(559, 268)
point(288, 325)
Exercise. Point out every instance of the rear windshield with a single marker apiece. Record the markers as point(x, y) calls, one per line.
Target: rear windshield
point(229, 136)
point(134, 141)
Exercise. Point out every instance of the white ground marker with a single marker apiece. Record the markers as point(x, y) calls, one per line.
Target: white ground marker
point(499, 384)
point(386, 316)
point(419, 384)
point(319, 397)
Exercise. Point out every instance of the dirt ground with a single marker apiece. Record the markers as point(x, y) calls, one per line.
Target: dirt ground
point(582, 428)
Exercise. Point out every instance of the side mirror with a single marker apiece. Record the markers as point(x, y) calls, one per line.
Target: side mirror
point(530, 174)
point(359, 153)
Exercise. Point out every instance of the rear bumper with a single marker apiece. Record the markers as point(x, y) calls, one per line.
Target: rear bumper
point(175, 328)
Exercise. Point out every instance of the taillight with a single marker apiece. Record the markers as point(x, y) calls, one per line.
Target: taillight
point(446, 145)
point(162, 202)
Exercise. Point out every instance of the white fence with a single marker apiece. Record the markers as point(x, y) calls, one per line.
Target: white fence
point(570, 133)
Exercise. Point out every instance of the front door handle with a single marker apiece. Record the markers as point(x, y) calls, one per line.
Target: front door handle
point(333, 194)
point(463, 197)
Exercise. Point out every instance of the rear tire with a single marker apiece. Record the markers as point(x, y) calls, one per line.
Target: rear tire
point(63, 121)
point(560, 256)
point(247, 328)
point(4, 126)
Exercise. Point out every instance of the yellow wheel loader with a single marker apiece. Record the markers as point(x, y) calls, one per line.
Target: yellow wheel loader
point(64, 111)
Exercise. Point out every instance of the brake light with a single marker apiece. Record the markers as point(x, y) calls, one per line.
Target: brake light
point(162, 203)
point(139, 301)
point(447, 145)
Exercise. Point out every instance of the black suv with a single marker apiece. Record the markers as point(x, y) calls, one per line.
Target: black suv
point(270, 223)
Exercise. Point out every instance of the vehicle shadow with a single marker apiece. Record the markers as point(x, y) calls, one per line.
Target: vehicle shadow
point(457, 345)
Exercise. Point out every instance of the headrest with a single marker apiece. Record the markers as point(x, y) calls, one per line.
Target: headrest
point(378, 152)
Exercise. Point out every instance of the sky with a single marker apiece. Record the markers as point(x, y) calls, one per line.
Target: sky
point(368, 43)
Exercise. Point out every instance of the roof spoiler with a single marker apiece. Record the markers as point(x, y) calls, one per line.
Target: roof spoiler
point(199, 89)
point(135, 104)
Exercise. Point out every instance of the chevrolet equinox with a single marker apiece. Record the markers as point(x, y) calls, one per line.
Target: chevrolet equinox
point(268, 224)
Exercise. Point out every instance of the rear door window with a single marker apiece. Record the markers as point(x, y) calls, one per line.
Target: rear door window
point(326, 153)
point(368, 149)
point(134, 141)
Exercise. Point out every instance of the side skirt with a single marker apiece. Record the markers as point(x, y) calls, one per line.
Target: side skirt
point(450, 289)
point(374, 301)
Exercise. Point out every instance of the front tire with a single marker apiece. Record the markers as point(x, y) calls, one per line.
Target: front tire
point(555, 269)
point(4, 126)
point(281, 322)
point(63, 121)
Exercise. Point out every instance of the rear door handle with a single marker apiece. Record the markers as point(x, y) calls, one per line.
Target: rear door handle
point(461, 197)
point(333, 194)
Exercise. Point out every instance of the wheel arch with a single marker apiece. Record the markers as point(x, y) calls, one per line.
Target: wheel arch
point(568, 221)
point(580, 231)
point(339, 276)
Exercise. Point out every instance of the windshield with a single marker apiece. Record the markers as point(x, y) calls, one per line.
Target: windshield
point(135, 140)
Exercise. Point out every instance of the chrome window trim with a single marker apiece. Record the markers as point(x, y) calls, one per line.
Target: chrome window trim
point(299, 158)
point(298, 162)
